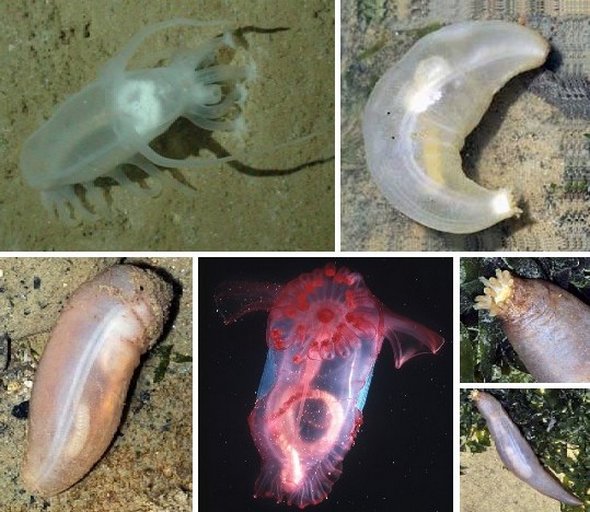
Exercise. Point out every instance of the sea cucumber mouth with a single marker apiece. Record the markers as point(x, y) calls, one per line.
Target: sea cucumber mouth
point(325, 315)
point(325, 330)
point(498, 293)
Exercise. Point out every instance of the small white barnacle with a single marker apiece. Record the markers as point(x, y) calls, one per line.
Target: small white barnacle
point(430, 100)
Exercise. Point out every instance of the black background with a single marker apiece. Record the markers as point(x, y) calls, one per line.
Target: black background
point(402, 458)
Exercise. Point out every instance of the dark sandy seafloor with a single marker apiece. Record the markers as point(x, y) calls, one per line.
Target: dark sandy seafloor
point(273, 198)
point(148, 466)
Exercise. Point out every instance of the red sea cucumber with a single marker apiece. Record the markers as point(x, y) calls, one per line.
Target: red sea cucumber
point(84, 373)
point(325, 330)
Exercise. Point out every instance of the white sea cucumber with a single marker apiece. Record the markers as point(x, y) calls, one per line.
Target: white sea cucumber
point(112, 121)
point(424, 106)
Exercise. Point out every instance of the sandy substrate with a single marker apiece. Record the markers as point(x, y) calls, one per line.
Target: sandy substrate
point(149, 465)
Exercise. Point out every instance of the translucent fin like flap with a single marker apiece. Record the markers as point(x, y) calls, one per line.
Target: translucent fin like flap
point(409, 338)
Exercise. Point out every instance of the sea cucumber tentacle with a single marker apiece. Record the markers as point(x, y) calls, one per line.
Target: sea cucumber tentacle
point(421, 110)
point(515, 452)
point(497, 293)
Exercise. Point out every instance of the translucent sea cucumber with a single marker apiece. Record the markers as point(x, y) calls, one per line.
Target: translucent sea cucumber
point(113, 119)
point(85, 371)
point(424, 106)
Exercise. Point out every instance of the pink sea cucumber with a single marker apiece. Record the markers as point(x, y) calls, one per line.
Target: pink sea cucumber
point(84, 373)
point(548, 327)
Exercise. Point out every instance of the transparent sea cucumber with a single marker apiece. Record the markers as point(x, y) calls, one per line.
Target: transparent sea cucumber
point(423, 107)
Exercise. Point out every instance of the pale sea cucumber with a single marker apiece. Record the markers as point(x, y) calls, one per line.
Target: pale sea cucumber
point(424, 106)
point(515, 452)
point(112, 121)
point(84, 373)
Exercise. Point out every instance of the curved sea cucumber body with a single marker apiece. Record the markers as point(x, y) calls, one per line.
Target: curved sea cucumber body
point(424, 106)
point(325, 330)
point(515, 452)
point(83, 376)
point(548, 327)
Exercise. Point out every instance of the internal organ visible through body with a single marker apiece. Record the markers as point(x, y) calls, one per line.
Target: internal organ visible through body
point(324, 333)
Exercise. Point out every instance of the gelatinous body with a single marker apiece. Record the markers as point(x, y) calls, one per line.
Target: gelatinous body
point(325, 330)
point(515, 452)
point(548, 327)
point(84, 373)
point(112, 121)
point(421, 110)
